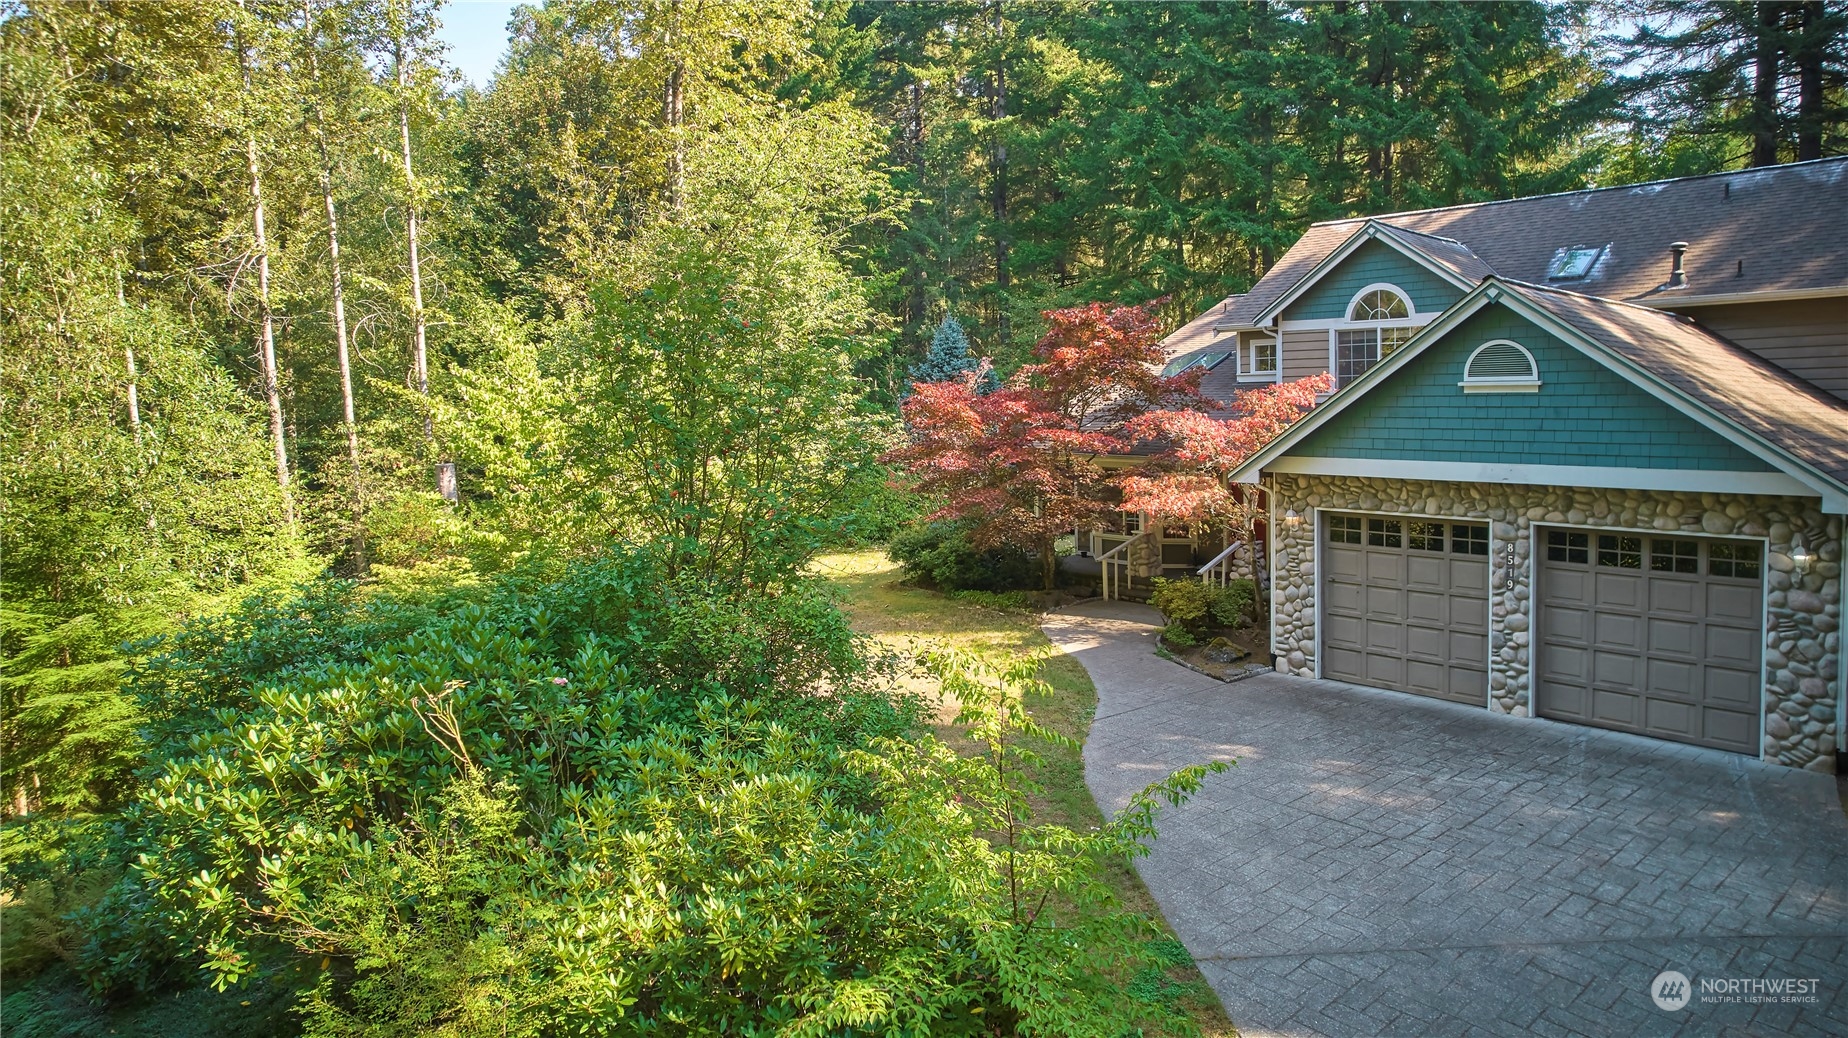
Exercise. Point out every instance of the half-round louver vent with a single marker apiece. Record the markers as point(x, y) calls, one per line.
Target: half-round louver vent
point(1501, 366)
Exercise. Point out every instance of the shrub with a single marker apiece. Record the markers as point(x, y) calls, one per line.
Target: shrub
point(1178, 636)
point(1194, 605)
point(1236, 603)
point(939, 555)
point(1185, 603)
point(547, 812)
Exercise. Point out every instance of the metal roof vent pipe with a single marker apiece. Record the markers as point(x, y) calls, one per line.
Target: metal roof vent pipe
point(1677, 277)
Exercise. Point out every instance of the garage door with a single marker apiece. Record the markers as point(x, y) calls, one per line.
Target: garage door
point(1656, 635)
point(1406, 606)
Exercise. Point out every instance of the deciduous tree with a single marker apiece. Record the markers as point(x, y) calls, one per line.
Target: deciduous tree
point(1021, 463)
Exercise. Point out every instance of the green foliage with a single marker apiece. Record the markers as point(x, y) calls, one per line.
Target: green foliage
point(714, 407)
point(1193, 606)
point(1177, 635)
point(553, 807)
point(938, 554)
point(1010, 601)
point(950, 356)
point(1234, 604)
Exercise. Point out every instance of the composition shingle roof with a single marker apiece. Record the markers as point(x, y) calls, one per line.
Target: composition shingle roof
point(1808, 424)
point(1747, 231)
point(1197, 337)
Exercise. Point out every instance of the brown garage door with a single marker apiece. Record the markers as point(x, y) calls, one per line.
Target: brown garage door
point(1657, 635)
point(1405, 605)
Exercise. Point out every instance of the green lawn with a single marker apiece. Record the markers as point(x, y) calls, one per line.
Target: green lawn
point(907, 618)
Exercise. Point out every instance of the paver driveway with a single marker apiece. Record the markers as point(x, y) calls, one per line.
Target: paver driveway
point(1381, 864)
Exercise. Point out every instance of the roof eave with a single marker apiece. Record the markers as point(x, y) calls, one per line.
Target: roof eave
point(1663, 301)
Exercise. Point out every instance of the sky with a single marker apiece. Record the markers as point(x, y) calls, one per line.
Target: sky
point(476, 31)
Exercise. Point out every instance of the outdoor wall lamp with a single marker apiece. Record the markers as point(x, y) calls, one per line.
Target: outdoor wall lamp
point(1290, 516)
point(1801, 559)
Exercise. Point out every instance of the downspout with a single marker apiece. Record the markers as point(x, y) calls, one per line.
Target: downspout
point(1270, 529)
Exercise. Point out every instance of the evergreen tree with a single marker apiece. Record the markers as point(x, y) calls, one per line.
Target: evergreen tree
point(1761, 83)
point(950, 355)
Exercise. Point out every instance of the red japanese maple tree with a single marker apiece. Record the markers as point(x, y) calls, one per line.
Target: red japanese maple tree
point(1021, 463)
point(1187, 479)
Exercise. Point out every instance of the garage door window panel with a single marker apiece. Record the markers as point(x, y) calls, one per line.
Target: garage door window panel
point(1566, 546)
point(1655, 635)
point(1740, 561)
point(1423, 621)
point(1469, 539)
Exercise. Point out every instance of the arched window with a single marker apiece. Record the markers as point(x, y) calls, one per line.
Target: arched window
point(1382, 315)
point(1500, 366)
point(1380, 304)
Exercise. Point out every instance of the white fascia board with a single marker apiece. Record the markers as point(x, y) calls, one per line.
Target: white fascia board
point(1370, 231)
point(1775, 484)
point(1416, 320)
point(1669, 302)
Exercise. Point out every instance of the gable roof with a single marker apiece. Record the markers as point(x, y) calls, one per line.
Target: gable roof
point(1749, 392)
point(1448, 253)
point(1748, 231)
point(1444, 257)
point(1800, 430)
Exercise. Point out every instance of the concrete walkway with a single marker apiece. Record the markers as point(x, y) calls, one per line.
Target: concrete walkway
point(1383, 864)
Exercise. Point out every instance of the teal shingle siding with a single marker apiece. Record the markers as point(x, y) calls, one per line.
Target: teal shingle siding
point(1584, 413)
point(1373, 262)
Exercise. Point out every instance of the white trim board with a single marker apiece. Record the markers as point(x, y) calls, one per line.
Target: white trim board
point(1416, 320)
point(1682, 480)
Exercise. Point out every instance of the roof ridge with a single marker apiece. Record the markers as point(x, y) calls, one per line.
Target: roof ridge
point(1556, 290)
point(1423, 234)
point(1576, 191)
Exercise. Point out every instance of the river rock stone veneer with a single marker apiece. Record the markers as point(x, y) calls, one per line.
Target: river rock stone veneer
point(1802, 665)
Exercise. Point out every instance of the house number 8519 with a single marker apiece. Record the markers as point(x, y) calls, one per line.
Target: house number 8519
point(1509, 565)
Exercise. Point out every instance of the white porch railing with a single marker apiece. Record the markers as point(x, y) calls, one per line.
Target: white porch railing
point(1114, 571)
point(1219, 571)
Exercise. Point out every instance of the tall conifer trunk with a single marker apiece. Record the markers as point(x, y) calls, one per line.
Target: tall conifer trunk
point(1764, 87)
point(1812, 41)
point(997, 111)
point(266, 318)
point(420, 358)
point(338, 287)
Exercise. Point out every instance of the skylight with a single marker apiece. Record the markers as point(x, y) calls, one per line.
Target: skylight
point(1573, 263)
point(1198, 360)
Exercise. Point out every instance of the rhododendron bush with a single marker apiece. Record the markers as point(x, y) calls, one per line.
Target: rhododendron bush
point(1022, 464)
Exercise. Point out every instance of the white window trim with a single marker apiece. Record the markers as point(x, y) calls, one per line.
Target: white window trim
point(1411, 310)
point(1334, 338)
point(1412, 319)
point(1252, 373)
point(1502, 383)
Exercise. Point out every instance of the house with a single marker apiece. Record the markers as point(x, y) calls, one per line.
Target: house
point(1586, 461)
